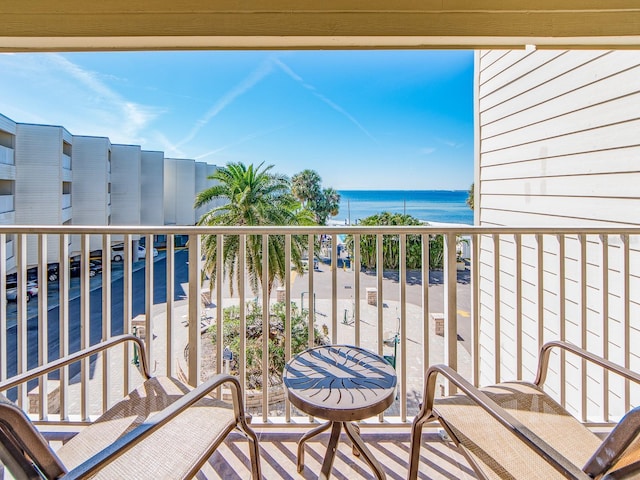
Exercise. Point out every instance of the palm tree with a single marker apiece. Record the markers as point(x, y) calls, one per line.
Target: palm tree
point(305, 186)
point(255, 196)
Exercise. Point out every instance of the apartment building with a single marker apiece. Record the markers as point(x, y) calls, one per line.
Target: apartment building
point(43, 185)
point(91, 187)
point(179, 191)
point(152, 188)
point(8, 183)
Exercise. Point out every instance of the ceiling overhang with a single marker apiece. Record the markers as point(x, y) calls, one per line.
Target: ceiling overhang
point(79, 25)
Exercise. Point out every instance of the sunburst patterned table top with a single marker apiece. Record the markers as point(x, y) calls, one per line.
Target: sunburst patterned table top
point(340, 382)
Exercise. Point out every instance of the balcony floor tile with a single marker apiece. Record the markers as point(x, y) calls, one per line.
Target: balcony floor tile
point(439, 460)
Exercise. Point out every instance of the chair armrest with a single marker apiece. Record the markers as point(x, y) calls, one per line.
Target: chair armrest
point(74, 357)
point(511, 424)
point(545, 352)
point(155, 422)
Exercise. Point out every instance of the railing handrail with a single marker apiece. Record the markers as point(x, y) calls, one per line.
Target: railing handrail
point(314, 230)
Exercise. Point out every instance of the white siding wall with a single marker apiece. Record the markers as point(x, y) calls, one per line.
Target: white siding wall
point(125, 184)
point(90, 189)
point(557, 146)
point(179, 191)
point(201, 184)
point(152, 189)
point(38, 196)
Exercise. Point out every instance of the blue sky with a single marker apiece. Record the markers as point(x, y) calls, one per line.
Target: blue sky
point(362, 119)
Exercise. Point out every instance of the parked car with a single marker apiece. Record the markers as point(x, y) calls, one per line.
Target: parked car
point(117, 252)
point(75, 268)
point(12, 291)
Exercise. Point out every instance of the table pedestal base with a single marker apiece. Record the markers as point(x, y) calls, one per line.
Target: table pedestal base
point(359, 448)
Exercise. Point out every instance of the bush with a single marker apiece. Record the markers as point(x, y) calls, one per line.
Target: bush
point(277, 344)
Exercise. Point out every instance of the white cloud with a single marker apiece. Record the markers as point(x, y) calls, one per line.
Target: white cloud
point(427, 150)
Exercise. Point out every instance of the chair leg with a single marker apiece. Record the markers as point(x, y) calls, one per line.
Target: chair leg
point(254, 451)
point(416, 440)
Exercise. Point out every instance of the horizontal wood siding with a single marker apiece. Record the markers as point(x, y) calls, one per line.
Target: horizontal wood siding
point(559, 146)
point(38, 189)
point(125, 184)
point(152, 188)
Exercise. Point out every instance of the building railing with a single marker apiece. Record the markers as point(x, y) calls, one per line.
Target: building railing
point(485, 316)
point(66, 161)
point(6, 203)
point(7, 155)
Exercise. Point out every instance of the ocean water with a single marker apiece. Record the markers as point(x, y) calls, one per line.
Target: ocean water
point(438, 206)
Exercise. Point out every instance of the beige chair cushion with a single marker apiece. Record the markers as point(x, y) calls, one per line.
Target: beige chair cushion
point(167, 453)
point(501, 455)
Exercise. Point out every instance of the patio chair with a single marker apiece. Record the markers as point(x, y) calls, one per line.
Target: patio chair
point(162, 429)
point(514, 430)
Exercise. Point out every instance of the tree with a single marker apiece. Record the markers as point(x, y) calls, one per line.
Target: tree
point(305, 186)
point(327, 203)
point(470, 197)
point(391, 244)
point(255, 197)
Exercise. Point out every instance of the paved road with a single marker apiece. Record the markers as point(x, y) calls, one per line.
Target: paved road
point(95, 302)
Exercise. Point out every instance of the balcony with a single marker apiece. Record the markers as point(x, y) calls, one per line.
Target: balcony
point(485, 316)
point(7, 155)
point(6, 203)
point(66, 161)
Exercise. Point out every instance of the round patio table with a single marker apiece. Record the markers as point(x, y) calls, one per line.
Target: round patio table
point(342, 384)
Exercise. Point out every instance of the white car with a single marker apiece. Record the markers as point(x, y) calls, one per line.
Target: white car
point(117, 252)
point(32, 291)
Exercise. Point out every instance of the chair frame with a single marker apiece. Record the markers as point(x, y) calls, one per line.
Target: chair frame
point(599, 462)
point(40, 459)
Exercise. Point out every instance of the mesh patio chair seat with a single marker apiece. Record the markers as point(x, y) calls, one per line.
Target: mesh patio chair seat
point(162, 429)
point(514, 430)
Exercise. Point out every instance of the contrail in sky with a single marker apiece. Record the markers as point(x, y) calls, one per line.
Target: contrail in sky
point(228, 98)
point(285, 68)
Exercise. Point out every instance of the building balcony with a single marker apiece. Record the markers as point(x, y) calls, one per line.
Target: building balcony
point(7, 155)
point(66, 161)
point(6, 203)
point(486, 316)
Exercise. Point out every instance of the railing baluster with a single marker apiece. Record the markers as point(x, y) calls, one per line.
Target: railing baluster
point(106, 320)
point(85, 321)
point(475, 309)
point(127, 309)
point(497, 325)
point(604, 239)
point(379, 300)
point(540, 286)
point(356, 286)
point(334, 288)
point(43, 324)
point(426, 337)
point(583, 319)
point(287, 312)
point(242, 270)
point(195, 253)
point(148, 297)
point(518, 303)
point(402, 271)
point(266, 327)
point(562, 317)
point(63, 333)
point(219, 306)
point(21, 263)
point(310, 290)
point(450, 305)
point(4, 355)
point(170, 320)
point(626, 316)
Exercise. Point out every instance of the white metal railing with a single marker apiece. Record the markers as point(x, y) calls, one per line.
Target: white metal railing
point(523, 286)
point(66, 200)
point(66, 161)
point(6, 203)
point(6, 155)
